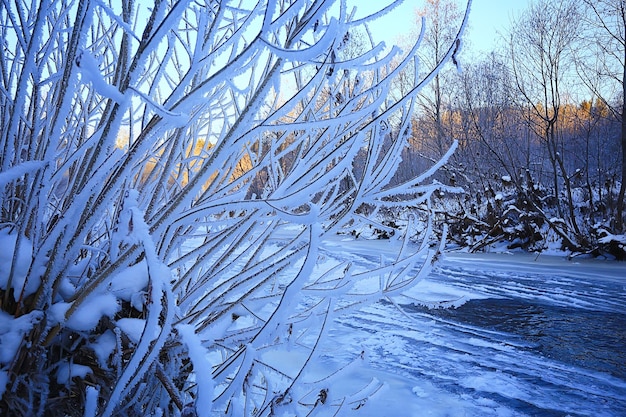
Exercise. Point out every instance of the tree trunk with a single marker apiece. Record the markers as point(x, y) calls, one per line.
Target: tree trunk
point(619, 215)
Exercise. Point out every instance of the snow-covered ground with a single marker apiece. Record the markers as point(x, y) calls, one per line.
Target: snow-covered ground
point(482, 335)
point(527, 335)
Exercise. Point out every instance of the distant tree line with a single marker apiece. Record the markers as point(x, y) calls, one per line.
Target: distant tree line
point(540, 126)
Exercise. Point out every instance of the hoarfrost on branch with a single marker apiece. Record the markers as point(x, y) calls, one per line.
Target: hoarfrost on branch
point(169, 177)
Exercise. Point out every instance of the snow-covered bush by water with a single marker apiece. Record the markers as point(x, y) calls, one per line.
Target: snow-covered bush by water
point(168, 174)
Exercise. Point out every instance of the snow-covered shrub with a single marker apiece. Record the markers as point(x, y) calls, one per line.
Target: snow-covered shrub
point(525, 214)
point(169, 175)
point(505, 213)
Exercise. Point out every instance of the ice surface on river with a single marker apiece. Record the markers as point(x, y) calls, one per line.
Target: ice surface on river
point(530, 336)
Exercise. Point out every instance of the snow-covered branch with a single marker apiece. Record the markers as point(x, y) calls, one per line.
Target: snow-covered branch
point(171, 177)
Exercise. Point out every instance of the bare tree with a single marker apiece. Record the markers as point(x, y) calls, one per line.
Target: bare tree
point(540, 46)
point(437, 35)
point(605, 73)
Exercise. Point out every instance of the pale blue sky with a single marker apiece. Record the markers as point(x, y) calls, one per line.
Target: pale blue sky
point(487, 18)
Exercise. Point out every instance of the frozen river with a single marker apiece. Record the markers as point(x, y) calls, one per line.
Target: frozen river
point(536, 336)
